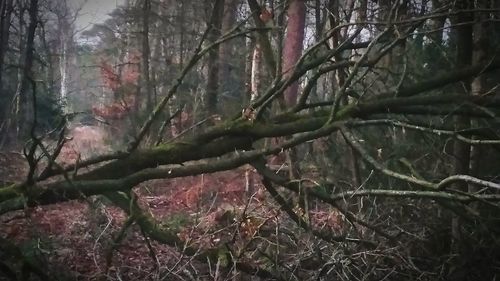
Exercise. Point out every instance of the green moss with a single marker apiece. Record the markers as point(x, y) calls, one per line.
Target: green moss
point(346, 112)
point(164, 147)
point(9, 192)
point(176, 222)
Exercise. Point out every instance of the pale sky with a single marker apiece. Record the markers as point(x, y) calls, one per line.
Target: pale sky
point(94, 11)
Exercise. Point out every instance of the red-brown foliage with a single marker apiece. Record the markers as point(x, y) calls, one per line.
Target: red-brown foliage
point(109, 76)
point(112, 111)
point(129, 74)
point(84, 142)
point(121, 83)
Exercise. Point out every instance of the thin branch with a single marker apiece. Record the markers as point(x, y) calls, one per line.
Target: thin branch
point(420, 182)
point(260, 166)
point(468, 179)
point(366, 156)
point(294, 186)
point(198, 54)
point(439, 132)
point(341, 93)
point(416, 194)
point(164, 125)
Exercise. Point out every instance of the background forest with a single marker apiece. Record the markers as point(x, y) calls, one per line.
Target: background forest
point(250, 140)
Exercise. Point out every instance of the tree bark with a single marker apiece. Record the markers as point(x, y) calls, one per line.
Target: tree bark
point(262, 38)
point(146, 54)
point(24, 103)
point(210, 102)
point(294, 40)
point(461, 150)
point(64, 35)
point(480, 54)
point(5, 16)
point(437, 24)
point(255, 75)
point(250, 46)
point(227, 53)
point(292, 50)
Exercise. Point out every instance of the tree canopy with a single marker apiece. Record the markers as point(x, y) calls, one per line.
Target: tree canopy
point(364, 133)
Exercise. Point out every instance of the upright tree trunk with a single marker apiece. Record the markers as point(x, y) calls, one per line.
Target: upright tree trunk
point(226, 53)
point(255, 76)
point(175, 123)
point(51, 69)
point(210, 101)
point(146, 79)
point(293, 45)
point(480, 54)
point(263, 38)
point(461, 150)
point(340, 74)
point(362, 10)
point(437, 24)
point(21, 45)
point(6, 9)
point(250, 45)
point(156, 56)
point(63, 59)
point(169, 44)
point(5, 16)
point(24, 102)
point(384, 11)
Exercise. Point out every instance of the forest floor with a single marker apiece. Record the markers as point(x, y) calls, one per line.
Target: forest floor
point(72, 239)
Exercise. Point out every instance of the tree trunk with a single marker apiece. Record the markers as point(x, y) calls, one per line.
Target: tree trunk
point(293, 46)
point(340, 74)
point(480, 54)
point(263, 38)
point(255, 79)
point(63, 59)
point(24, 103)
point(210, 102)
point(146, 81)
point(461, 150)
point(5, 15)
point(437, 24)
point(250, 45)
point(51, 69)
point(181, 20)
point(226, 53)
